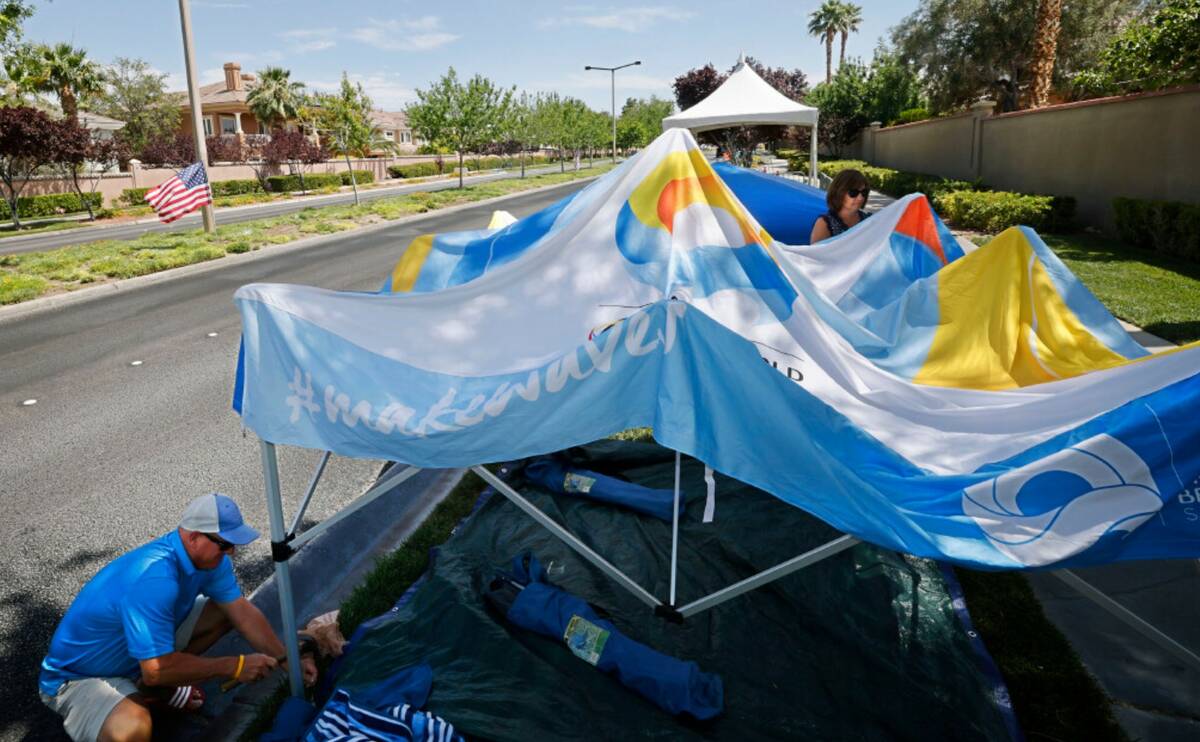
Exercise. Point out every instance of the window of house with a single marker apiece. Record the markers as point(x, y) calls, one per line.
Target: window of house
point(406, 137)
point(388, 135)
point(207, 126)
point(228, 125)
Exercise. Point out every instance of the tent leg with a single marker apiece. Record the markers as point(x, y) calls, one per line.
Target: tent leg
point(567, 537)
point(806, 559)
point(1128, 617)
point(312, 487)
point(283, 577)
point(812, 158)
point(675, 535)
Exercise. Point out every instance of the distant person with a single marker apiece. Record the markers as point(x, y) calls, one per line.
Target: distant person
point(846, 197)
point(133, 637)
point(723, 154)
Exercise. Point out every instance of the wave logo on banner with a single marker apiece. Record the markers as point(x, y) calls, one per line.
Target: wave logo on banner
point(1121, 497)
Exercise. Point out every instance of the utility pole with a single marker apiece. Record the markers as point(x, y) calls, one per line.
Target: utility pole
point(189, 62)
point(613, 76)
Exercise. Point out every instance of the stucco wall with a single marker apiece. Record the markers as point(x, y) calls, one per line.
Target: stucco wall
point(941, 146)
point(1143, 146)
point(1138, 146)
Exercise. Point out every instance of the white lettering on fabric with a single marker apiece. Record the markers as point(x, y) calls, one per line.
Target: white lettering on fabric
point(443, 417)
point(301, 397)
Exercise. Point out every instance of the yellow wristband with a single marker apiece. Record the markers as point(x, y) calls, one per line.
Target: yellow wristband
point(240, 665)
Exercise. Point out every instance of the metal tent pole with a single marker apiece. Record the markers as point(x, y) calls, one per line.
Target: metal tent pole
point(806, 559)
point(675, 534)
point(283, 578)
point(1128, 617)
point(312, 487)
point(379, 490)
point(567, 537)
point(812, 157)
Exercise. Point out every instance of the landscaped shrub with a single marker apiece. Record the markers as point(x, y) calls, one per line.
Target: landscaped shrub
point(50, 204)
point(414, 170)
point(993, 211)
point(898, 183)
point(312, 181)
point(133, 196)
point(360, 177)
point(234, 187)
point(1170, 227)
point(909, 115)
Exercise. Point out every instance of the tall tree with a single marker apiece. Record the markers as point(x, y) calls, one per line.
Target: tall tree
point(275, 98)
point(641, 121)
point(137, 95)
point(520, 126)
point(964, 48)
point(12, 13)
point(463, 117)
point(824, 24)
point(343, 119)
point(1045, 43)
point(848, 20)
point(1160, 48)
point(29, 139)
point(61, 70)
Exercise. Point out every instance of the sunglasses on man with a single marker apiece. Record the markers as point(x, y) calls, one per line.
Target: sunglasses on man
point(856, 192)
point(222, 544)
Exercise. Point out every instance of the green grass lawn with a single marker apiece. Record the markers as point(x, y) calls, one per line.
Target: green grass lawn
point(26, 276)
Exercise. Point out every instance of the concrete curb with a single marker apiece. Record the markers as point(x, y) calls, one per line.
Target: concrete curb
point(23, 310)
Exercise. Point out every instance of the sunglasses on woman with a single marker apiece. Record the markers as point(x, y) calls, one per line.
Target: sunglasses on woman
point(856, 192)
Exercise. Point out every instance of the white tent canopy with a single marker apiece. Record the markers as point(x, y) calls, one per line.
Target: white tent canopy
point(745, 99)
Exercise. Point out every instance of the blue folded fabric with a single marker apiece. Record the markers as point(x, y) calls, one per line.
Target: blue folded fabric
point(560, 479)
point(675, 686)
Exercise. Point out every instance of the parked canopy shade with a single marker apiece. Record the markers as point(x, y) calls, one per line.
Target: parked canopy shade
point(744, 99)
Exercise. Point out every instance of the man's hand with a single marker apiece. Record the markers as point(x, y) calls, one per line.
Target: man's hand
point(308, 668)
point(256, 667)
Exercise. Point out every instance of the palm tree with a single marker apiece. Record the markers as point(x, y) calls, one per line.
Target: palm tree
point(275, 99)
point(61, 70)
point(823, 23)
point(849, 17)
point(1045, 47)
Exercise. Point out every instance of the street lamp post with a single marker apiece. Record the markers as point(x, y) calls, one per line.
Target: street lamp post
point(189, 62)
point(613, 74)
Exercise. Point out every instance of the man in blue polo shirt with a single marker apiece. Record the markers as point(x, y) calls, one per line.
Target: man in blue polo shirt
point(134, 634)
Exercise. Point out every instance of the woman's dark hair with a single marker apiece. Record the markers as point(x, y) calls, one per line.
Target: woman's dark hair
point(842, 182)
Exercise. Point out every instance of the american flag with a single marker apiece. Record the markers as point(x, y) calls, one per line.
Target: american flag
point(180, 195)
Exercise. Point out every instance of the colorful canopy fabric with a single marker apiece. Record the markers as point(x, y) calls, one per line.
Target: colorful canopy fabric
point(984, 409)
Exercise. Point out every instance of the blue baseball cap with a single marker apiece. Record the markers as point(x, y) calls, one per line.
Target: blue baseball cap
point(218, 514)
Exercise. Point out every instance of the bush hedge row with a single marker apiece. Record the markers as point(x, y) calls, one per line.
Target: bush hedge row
point(413, 170)
point(995, 211)
point(312, 181)
point(137, 196)
point(488, 162)
point(1170, 227)
point(968, 204)
point(50, 204)
point(360, 177)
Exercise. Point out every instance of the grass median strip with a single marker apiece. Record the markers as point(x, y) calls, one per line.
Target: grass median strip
point(26, 276)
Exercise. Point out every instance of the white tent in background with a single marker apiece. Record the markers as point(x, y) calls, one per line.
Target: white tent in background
point(745, 99)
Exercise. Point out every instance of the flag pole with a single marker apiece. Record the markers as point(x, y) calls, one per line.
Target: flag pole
point(189, 62)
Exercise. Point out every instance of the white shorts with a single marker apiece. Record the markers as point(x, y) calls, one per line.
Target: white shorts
point(85, 703)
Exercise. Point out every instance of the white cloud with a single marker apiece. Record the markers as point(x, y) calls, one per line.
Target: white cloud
point(315, 45)
point(414, 35)
point(631, 20)
point(386, 90)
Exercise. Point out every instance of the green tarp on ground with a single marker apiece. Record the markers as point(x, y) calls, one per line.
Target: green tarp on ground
point(864, 645)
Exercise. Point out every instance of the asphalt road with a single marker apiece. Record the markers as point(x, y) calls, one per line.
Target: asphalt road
point(111, 452)
point(227, 215)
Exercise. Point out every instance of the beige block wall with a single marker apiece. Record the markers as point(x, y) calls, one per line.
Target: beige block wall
point(1139, 146)
point(941, 146)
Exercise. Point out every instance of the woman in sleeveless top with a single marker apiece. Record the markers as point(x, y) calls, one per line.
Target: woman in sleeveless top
point(846, 196)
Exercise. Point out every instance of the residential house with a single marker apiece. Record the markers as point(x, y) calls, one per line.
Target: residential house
point(393, 127)
point(102, 127)
point(223, 107)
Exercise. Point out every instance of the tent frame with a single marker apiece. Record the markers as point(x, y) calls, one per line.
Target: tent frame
point(285, 542)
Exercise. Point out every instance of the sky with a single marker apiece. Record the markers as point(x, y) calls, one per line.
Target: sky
point(396, 47)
